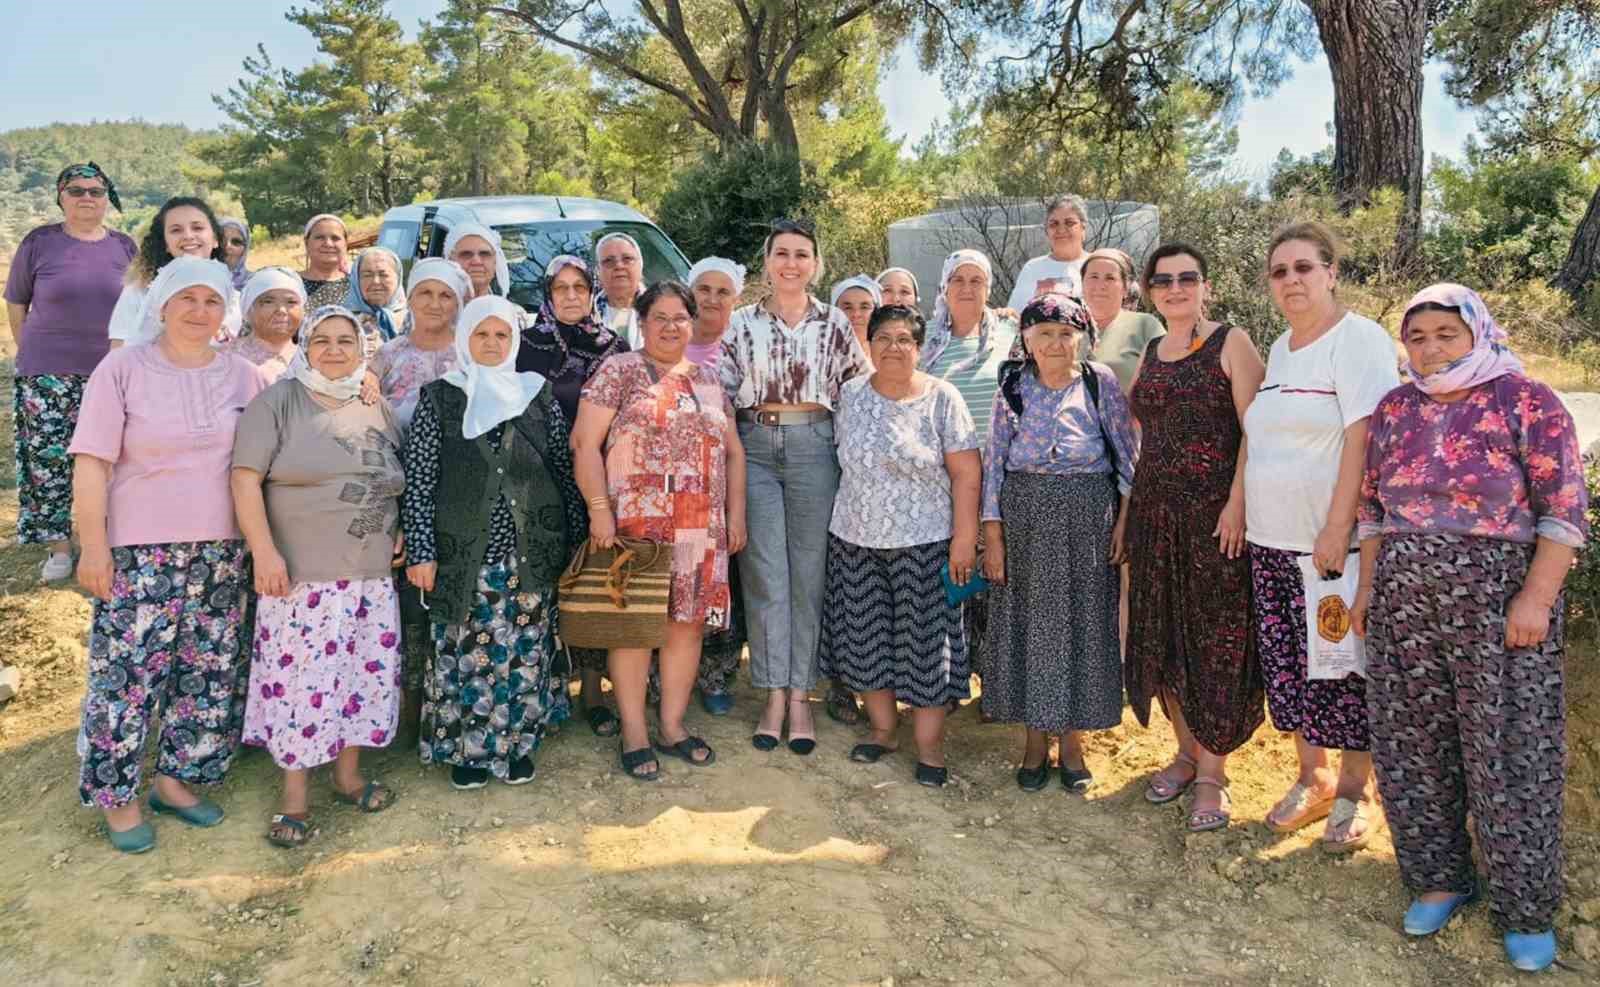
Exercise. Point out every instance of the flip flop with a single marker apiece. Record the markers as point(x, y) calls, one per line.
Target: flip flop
point(375, 797)
point(684, 750)
point(1344, 816)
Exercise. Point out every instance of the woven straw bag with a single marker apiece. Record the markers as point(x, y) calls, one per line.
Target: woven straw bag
point(616, 597)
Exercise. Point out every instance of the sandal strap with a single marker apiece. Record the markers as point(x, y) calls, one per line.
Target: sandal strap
point(637, 758)
point(1345, 811)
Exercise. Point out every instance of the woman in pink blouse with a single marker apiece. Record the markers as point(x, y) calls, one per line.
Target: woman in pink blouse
point(1472, 511)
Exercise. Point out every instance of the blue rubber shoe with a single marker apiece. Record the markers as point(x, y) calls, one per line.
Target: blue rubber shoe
point(139, 839)
point(203, 814)
point(1425, 918)
point(1531, 951)
point(717, 703)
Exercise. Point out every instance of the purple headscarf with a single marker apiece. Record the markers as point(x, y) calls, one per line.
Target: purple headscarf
point(1490, 356)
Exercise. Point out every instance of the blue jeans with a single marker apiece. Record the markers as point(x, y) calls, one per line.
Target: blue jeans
point(792, 474)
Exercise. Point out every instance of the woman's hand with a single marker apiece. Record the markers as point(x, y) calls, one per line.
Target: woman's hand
point(272, 573)
point(1358, 609)
point(1331, 550)
point(738, 532)
point(1119, 534)
point(963, 559)
point(422, 575)
point(1229, 531)
point(994, 560)
point(1527, 621)
point(369, 388)
point(95, 571)
point(399, 558)
point(602, 528)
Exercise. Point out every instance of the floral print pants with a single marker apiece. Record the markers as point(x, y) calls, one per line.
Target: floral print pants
point(1462, 725)
point(497, 681)
point(165, 646)
point(45, 411)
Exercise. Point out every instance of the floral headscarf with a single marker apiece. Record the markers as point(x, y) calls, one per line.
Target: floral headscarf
point(300, 367)
point(240, 275)
point(939, 329)
point(89, 170)
point(589, 328)
point(1051, 307)
point(391, 315)
point(1490, 356)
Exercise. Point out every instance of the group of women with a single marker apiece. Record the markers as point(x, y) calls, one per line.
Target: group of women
point(1075, 501)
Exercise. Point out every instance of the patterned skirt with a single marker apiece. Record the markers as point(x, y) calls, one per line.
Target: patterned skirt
point(498, 681)
point(45, 411)
point(886, 624)
point(1054, 657)
point(325, 674)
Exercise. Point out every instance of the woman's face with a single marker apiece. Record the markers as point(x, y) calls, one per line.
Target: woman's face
point(570, 295)
point(1301, 281)
point(621, 271)
point(1064, 229)
point(667, 328)
point(1182, 299)
point(1104, 287)
point(857, 306)
point(1052, 345)
point(334, 350)
point(325, 245)
point(194, 314)
point(967, 291)
point(188, 232)
point(894, 350)
point(1434, 340)
point(379, 279)
point(490, 342)
point(898, 289)
point(433, 306)
point(476, 256)
point(232, 245)
point(714, 300)
point(791, 264)
point(275, 314)
point(84, 200)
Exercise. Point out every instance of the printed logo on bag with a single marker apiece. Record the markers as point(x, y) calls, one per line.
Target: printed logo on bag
point(1333, 618)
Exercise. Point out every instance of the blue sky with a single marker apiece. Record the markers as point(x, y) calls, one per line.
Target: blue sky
point(162, 59)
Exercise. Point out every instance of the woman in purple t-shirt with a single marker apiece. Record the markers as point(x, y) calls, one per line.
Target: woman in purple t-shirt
point(64, 281)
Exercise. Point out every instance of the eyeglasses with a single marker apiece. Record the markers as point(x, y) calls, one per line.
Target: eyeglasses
point(1300, 267)
point(79, 191)
point(678, 321)
point(893, 342)
point(1187, 279)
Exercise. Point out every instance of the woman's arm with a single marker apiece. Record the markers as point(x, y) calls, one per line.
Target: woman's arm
point(966, 483)
point(1245, 371)
point(589, 469)
point(91, 478)
point(1332, 546)
point(250, 508)
point(1369, 563)
point(15, 314)
point(1528, 613)
point(738, 531)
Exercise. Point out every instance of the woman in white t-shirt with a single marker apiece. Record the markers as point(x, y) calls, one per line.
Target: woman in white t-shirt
point(1066, 219)
point(1307, 433)
point(183, 227)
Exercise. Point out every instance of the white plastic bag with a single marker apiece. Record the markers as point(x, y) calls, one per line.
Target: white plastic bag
point(1333, 649)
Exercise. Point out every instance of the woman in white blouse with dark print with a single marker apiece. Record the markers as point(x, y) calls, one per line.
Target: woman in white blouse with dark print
point(784, 360)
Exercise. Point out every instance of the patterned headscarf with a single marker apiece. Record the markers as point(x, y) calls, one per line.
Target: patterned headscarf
point(300, 367)
point(1051, 307)
point(89, 170)
point(939, 328)
point(590, 325)
point(390, 315)
point(240, 275)
point(1490, 356)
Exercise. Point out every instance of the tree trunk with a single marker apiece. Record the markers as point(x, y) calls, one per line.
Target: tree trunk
point(1375, 50)
point(1582, 265)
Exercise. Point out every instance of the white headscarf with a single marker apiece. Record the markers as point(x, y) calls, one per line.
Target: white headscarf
point(617, 235)
point(719, 265)
point(502, 269)
point(187, 272)
point(939, 329)
point(300, 368)
point(494, 394)
point(916, 287)
point(446, 272)
point(861, 281)
point(344, 261)
point(271, 279)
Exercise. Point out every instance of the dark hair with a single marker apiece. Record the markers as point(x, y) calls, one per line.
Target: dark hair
point(648, 298)
point(1405, 320)
point(798, 227)
point(1175, 249)
point(884, 314)
point(153, 252)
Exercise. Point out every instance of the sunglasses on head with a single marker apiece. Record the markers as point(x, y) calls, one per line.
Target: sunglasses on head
point(1300, 267)
point(1187, 279)
point(804, 227)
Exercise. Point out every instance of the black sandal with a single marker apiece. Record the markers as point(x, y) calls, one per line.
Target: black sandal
point(842, 707)
point(870, 753)
point(602, 721)
point(632, 761)
point(932, 777)
point(1034, 779)
point(374, 796)
point(298, 830)
point(685, 749)
point(1076, 779)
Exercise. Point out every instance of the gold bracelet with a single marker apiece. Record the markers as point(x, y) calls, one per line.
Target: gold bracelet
point(597, 503)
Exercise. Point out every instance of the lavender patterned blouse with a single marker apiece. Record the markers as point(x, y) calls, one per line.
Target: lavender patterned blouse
point(1060, 433)
point(1501, 462)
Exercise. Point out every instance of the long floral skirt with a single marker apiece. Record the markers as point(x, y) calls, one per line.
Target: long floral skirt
point(45, 411)
point(325, 674)
point(164, 647)
point(498, 682)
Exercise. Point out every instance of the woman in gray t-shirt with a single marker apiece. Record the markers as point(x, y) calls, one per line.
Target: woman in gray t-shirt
point(325, 669)
point(907, 507)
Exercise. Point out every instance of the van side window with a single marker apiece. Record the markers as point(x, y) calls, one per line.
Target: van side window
point(400, 237)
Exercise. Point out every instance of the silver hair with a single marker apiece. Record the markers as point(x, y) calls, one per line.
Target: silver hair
point(1068, 201)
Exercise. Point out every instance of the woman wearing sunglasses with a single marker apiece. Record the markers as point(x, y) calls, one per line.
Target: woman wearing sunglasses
point(1307, 431)
point(1189, 643)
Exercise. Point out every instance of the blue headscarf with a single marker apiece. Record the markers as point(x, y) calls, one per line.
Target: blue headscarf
point(391, 315)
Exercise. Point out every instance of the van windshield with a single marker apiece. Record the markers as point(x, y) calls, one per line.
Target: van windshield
point(530, 246)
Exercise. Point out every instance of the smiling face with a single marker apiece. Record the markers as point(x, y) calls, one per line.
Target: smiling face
point(84, 201)
point(621, 271)
point(857, 305)
point(433, 306)
point(1064, 229)
point(476, 257)
point(1183, 299)
point(895, 350)
point(967, 292)
point(379, 278)
point(1302, 282)
point(188, 232)
point(490, 342)
point(334, 350)
point(791, 264)
point(898, 289)
point(232, 245)
point(193, 315)
point(570, 296)
point(1434, 340)
point(667, 328)
point(1053, 345)
point(274, 315)
point(325, 246)
point(714, 299)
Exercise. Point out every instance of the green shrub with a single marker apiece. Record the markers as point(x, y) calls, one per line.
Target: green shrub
point(725, 205)
point(1583, 583)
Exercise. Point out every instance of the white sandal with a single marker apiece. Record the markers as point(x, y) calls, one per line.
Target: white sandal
point(1345, 815)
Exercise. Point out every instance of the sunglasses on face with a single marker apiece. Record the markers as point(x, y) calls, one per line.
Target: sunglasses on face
point(1187, 279)
point(78, 192)
point(1300, 267)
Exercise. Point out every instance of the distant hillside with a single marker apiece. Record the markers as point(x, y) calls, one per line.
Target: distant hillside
point(146, 160)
